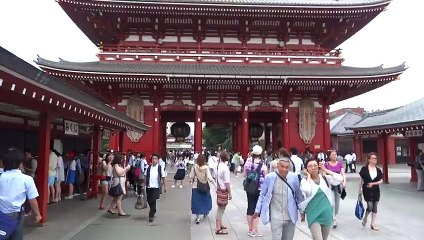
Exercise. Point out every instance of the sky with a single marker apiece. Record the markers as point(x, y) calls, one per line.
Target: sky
point(29, 28)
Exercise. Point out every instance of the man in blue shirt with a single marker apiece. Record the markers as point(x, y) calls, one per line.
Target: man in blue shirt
point(15, 188)
point(279, 200)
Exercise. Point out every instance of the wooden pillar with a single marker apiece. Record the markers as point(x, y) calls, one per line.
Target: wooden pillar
point(274, 136)
point(357, 147)
point(239, 135)
point(382, 152)
point(326, 127)
point(198, 128)
point(95, 153)
point(267, 137)
point(285, 129)
point(121, 141)
point(163, 139)
point(234, 137)
point(43, 162)
point(156, 122)
point(245, 131)
point(413, 152)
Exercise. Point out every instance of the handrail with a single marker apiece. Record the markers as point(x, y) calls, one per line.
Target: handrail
point(219, 51)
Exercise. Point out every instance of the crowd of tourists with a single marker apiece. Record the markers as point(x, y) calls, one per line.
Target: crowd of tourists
point(280, 187)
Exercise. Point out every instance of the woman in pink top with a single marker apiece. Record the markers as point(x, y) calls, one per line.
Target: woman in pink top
point(337, 167)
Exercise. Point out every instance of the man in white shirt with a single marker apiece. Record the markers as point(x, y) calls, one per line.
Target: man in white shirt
point(348, 159)
point(52, 175)
point(213, 163)
point(296, 162)
point(155, 176)
point(353, 164)
point(15, 189)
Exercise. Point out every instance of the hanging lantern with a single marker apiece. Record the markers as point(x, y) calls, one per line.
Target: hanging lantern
point(180, 130)
point(256, 131)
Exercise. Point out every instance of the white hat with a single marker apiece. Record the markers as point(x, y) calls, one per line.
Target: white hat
point(257, 150)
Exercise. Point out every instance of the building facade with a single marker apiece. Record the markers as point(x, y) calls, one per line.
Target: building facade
point(239, 62)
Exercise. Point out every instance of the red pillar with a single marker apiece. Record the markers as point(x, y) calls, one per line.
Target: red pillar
point(95, 159)
point(234, 137)
point(274, 136)
point(156, 124)
point(382, 152)
point(163, 139)
point(121, 141)
point(198, 130)
point(267, 137)
point(326, 127)
point(43, 162)
point(285, 129)
point(239, 136)
point(413, 150)
point(245, 132)
point(357, 147)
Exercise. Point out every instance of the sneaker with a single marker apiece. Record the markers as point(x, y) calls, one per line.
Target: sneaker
point(181, 186)
point(197, 220)
point(150, 219)
point(257, 234)
point(69, 197)
point(173, 186)
point(251, 234)
point(334, 223)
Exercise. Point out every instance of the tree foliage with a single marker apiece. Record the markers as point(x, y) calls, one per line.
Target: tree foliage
point(216, 136)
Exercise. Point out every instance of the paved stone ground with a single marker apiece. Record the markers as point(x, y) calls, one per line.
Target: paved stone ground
point(401, 214)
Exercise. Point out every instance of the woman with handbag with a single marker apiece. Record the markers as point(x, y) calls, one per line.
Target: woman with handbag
point(337, 167)
point(317, 204)
point(201, 201)
point(223, 191)
point(371, 178)
point(117, 189)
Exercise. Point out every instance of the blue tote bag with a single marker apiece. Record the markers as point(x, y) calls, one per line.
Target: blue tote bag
point(7, 225)
point(359, 209)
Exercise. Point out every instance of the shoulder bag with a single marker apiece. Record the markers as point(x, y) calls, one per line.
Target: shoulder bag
point(202, 187)
point(116, 191)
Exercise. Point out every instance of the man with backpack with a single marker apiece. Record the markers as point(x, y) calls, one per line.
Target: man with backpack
point(255, 171)
point(154, 177)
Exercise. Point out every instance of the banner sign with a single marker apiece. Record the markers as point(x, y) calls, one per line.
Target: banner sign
point(71, 128)
point(414, 133)
point(106, 134)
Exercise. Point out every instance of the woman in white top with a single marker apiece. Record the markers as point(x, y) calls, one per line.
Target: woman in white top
point(223, 184)
point(318, 198)
point(119, 173)
point(60, 175)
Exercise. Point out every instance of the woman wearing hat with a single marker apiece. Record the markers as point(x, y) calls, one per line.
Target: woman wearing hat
point(253, 164)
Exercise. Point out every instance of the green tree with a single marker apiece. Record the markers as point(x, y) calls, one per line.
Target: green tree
point(215, 136)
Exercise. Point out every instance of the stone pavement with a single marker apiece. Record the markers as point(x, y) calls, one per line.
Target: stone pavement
point(401, 214)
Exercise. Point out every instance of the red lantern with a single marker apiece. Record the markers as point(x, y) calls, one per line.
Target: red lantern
point(180, 130)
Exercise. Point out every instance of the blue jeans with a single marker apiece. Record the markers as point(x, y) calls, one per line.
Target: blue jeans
point(18, 234)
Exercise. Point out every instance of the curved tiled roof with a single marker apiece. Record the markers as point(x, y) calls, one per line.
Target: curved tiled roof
point(320, 3)
point(164, 69)
point(410, 114)
point(56, 86)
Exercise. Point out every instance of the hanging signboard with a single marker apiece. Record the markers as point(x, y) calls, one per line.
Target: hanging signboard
point(106, 134)
point(414, 133)
point(71, 128)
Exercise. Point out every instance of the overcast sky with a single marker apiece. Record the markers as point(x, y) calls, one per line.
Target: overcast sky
point(31, 27)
